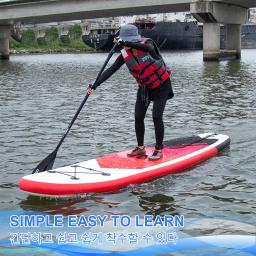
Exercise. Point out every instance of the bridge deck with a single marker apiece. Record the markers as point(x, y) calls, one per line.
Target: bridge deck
point(39, 11)
point(243, 3)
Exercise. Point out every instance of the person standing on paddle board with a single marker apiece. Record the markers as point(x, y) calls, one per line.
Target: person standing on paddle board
point(145, 63)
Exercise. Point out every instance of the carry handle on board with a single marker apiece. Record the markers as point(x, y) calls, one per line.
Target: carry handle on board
point(47, 163)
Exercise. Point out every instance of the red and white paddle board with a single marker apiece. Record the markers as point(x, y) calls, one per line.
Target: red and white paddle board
point(114, 171)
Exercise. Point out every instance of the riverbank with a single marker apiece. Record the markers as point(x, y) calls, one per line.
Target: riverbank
point(52, 42)
point(50, 50)
point(74, 46)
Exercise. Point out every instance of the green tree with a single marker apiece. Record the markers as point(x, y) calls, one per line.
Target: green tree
point(51, 35)
point(75, 31)
point(13, 43)
point(28, 38)
point(41, 42)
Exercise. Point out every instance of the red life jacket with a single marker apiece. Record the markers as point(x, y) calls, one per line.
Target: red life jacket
point(145, 69)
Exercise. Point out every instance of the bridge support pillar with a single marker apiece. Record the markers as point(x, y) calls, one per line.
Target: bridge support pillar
point(234, 39)
point(4, 41)
point(211, 41)
point(212, 14)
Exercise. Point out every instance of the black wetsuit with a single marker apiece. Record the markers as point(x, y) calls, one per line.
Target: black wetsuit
point(159, 96)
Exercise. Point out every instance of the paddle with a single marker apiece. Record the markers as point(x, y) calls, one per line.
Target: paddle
point(48, 162)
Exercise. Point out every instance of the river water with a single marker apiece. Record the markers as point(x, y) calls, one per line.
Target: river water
point(39, 95)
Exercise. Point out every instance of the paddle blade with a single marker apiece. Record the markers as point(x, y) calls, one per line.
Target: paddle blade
point(47, 163)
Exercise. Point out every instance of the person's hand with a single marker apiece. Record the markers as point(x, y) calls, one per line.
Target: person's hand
point(119, 41)
point(89, 89)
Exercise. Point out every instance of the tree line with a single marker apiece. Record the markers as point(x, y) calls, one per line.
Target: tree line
point(52, 39)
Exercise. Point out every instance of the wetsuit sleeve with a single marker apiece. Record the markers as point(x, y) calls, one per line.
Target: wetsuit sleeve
point(110, 71)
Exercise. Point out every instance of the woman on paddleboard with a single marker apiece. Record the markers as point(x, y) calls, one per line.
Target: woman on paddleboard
point(145, 63)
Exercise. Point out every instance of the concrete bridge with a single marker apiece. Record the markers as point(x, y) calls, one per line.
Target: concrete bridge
point(233, 13)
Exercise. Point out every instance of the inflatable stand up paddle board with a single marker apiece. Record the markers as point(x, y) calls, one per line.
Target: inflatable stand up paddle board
point(114, 171)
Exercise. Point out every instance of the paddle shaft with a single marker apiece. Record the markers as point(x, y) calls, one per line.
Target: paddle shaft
point(86, 97)
point(47, 163)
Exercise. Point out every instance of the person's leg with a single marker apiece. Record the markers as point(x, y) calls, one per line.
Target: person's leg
point(157, 115)
point(140, 113)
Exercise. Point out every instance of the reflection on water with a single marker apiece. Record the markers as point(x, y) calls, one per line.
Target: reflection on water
point(157, 204)
point(62, 206)
point(39, 95)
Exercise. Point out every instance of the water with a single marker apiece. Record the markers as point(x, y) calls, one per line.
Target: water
point(39, 95)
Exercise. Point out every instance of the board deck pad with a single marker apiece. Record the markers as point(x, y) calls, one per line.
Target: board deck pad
point(116, 170)
point(120, 160)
